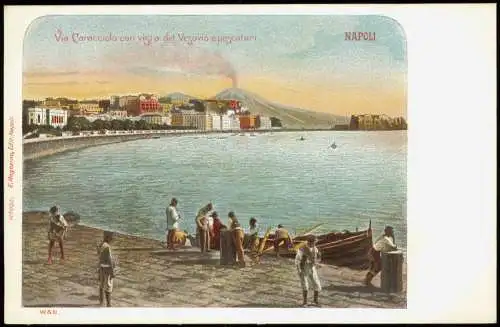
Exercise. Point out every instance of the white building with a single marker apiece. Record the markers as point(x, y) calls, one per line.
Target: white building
point(217, 125)
point(202, 121)
point(234, 122)
point(37, 116)
point(57, 117)
point(167, 119)
point(264, 122)
point(154, 119)
point(54, 117)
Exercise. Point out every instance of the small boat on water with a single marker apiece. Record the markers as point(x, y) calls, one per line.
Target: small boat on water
point(156, 136)
point(333, 146)
point(343, 249)
point(302, 138)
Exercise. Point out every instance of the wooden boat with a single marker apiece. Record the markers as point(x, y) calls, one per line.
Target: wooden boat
point(344, 249)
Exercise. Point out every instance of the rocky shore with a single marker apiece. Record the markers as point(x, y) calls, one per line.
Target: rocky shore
point(150, 276)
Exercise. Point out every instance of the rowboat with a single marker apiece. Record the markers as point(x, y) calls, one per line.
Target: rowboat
point(343, 249)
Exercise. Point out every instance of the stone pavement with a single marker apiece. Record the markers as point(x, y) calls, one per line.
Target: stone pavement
point(150, 276)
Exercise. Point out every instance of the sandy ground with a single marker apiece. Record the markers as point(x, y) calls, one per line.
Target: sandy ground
point(150, 276)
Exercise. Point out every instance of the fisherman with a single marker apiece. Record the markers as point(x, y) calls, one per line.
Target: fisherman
point(238, 236)
point(173, 218)
point(384, 243)
point(57, 231)
point(106, 268)
point(307, 260)
point(203, 228)
point(281, 235)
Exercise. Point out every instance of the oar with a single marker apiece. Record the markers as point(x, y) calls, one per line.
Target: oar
point(297, 246)
point(310, 230)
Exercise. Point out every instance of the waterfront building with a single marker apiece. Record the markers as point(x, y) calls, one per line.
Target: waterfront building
point(234, 122)
point(167, 119)
point(247, 121)
point(148, 104)
point(55, 117)
point(177, 119)
point(221, 122)
point(263, 122)
point(37, 116)
point(152, 118)
point(89, 107)
point(196, 120)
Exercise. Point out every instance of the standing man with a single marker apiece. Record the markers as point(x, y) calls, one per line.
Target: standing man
point(306, 260)
point(384, 243)
point(172, 223)
point(106, 268)
point(202, 227)
point(238, 236)
point(57, 230)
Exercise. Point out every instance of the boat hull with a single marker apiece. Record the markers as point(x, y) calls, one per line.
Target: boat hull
point(347, 249)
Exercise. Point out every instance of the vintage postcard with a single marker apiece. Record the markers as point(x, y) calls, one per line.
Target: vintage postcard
point(186, 161)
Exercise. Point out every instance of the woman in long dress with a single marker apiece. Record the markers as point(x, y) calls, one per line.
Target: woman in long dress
point(216, 229)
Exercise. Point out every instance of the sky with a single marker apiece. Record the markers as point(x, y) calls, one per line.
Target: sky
point(297, 60)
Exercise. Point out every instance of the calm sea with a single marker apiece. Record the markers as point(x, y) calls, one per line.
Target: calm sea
point(275, 177)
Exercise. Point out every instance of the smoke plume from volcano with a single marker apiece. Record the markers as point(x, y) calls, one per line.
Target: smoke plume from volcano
point(176, 59)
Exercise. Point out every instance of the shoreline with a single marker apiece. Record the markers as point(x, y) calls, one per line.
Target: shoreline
point(150, 276)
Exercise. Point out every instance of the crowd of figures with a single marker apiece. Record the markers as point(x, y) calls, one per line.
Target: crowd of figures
point(209, 227)
point(208, 237)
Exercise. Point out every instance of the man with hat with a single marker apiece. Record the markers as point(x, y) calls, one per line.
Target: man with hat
point(306, 261)
point(384, 243)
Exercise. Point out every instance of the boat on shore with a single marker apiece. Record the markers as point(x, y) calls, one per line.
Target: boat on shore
point(343, 249)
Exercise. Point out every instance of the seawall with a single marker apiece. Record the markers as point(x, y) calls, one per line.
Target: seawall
point(49, 146)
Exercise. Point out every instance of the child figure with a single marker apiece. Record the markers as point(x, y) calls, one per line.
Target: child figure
point(106, 268)
point(307, 260)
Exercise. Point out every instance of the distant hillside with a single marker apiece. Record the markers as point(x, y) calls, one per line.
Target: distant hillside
point(178, 96)
point(289, 116)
